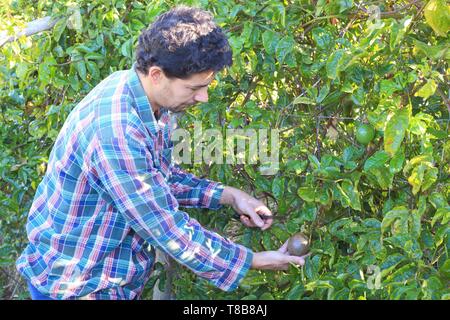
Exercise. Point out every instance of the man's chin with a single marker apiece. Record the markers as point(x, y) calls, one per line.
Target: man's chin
point(183, 107)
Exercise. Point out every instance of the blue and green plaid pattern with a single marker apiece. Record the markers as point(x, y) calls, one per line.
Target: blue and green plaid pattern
point(111, 195)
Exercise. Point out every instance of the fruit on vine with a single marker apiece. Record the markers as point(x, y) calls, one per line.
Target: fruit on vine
point(298, 244)
point(365, 133)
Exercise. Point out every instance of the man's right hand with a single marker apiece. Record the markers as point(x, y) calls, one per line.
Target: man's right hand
point(276, 260)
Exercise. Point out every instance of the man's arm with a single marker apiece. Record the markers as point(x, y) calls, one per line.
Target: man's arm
point(126, 175)
point(193, 192)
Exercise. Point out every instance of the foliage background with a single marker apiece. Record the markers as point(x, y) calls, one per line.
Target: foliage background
point(377, 215)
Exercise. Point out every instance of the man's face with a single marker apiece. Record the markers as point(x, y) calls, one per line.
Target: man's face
point(178, 94)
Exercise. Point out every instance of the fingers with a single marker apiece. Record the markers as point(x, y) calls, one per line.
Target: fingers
point(263, 210)
point(298, 261)
point(283, 248)
point(288, 260)
point(246, 221)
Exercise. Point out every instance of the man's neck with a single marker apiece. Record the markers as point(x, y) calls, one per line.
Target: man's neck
point(148, 92)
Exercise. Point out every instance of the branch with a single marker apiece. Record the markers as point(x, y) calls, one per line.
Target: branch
point(32, 27)
point(446, 100)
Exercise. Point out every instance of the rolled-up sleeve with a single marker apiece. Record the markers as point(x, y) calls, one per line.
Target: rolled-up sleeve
point(126, 174)
point(193, 192)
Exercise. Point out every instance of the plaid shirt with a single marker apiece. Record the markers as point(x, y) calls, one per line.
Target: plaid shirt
point(110, 195)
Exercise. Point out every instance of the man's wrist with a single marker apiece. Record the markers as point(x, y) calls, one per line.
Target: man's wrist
point(227, 196)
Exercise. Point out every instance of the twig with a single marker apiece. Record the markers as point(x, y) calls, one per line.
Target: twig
point(446, 100)
point(68, 62)
point(318, 142)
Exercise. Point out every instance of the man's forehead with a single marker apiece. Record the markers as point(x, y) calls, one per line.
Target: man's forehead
point(202, 79)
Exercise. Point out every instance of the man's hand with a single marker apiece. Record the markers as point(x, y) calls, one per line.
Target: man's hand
point(249, 208)
point(276, 260)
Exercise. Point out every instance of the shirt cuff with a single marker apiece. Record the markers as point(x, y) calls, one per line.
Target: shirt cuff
point(211, 196)
point(239, 266)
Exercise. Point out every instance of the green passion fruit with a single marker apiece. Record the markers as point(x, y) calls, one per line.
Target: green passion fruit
point(365, 133)
point(298, 244)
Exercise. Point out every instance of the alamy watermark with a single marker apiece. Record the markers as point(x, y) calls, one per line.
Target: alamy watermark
point(374, 279)
point(236, 146)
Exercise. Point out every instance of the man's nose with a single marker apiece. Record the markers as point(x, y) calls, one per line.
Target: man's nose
point(202, 95)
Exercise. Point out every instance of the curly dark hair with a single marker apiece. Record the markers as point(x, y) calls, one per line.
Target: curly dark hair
point(182, 42)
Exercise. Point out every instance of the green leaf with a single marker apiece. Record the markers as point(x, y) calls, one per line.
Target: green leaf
point(22, 70)
point(432, 284)
point(418, 127)
point(427, 89)
point(314, 161)
point(297, 166)
point(416, 177)
point(309, 211)
point(322, 38)
point(266, 296)
point(345, 5)
point(423, 158)
point(395, 130)
point(422, 177)
point(403, 273)
point(280, 13)
point(389, 86)
point(81, 69)
point(296, 292)
point(323, 92)
point(94, 56)
point(93, 70)
point(126, 48)
point(442, 214)
point(278, 187)
point(377, 160)
point(318, 284)
point(59, 28)
point(439, 134)
point(399, 212)
point(437, 15)
point(324, 197)
point(429, 178)
point(438, 200)
point(398, 31)
point(75, 21)
point(444, 270)
point(350, 196)
point(396, 163)
point(434, 52)
point(303, 100)
point(308, 194)
point(415, 224)
point(334, 63)
point(270, 40)
point(284, 47)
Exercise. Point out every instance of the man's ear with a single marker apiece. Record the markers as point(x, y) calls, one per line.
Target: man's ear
point(155, 75)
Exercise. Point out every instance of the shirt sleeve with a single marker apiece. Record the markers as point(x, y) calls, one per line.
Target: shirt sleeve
point(126, 174)
point(193, 192)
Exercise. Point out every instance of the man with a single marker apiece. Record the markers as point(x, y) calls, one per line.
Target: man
point(111, 194)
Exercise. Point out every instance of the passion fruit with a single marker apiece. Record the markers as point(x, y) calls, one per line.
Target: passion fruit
point(365, 133)
point(298, 245)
